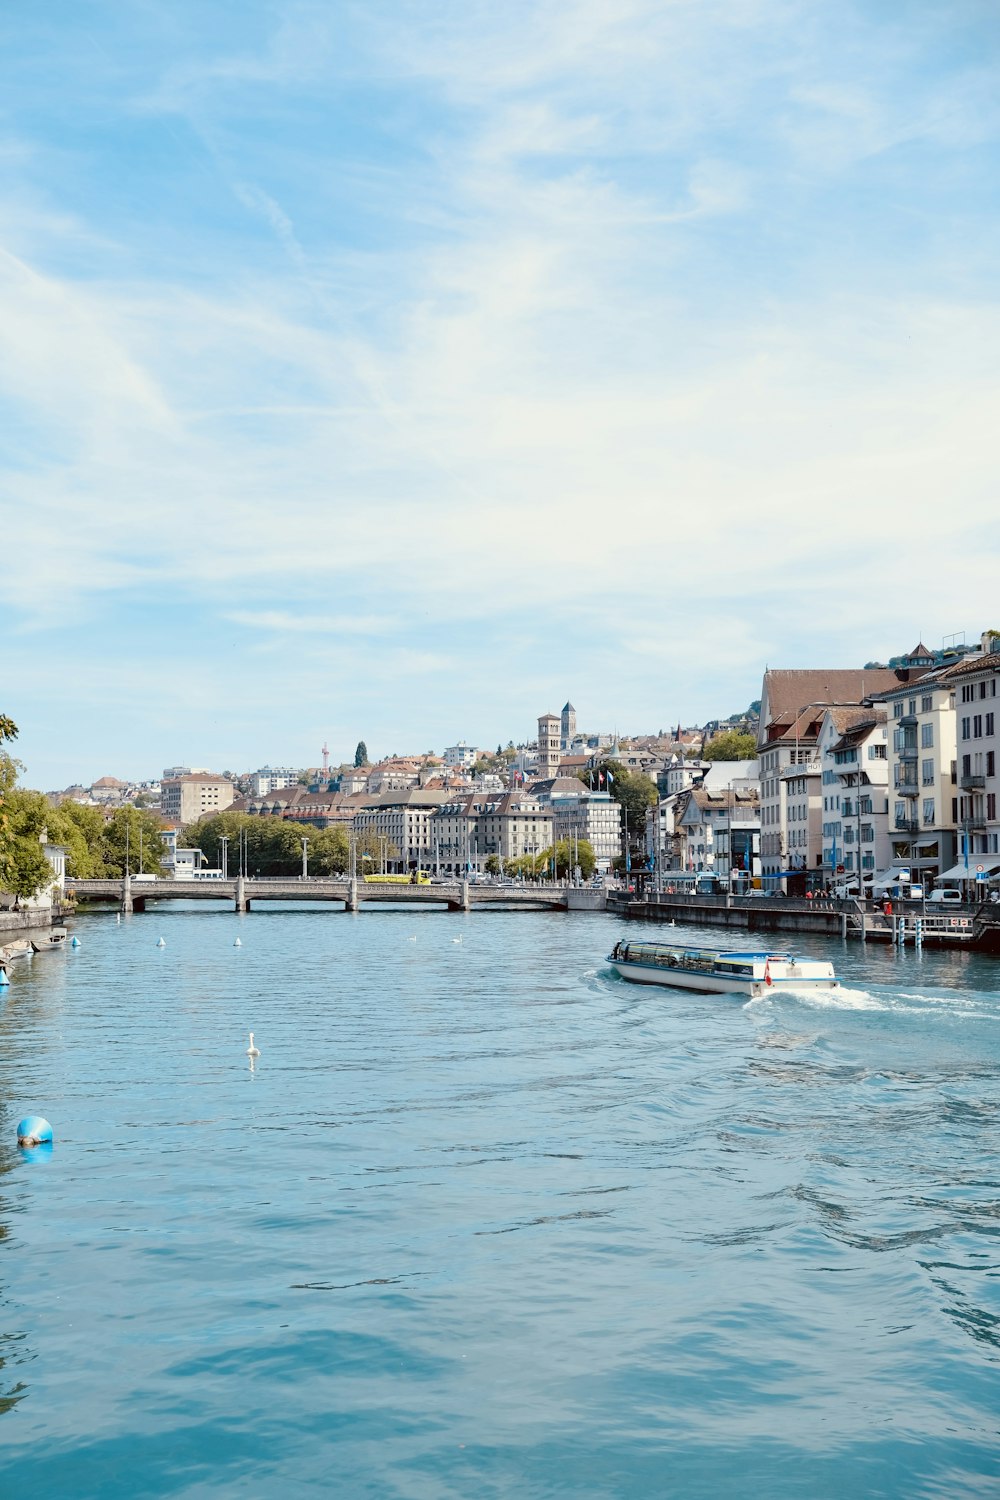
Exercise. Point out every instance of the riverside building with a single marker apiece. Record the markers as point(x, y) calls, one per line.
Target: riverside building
point(854, 772)
point(792, 707)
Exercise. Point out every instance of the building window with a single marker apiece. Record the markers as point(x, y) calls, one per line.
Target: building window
point(989, 722)
point(991, 806)
point(926, 736)
point(877, 752)
point(991, 762)
point(927, 705)
point(897, 710)
point(966, 728)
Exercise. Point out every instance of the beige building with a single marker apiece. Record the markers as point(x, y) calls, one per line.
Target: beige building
point(185, 799)
point(404, 819)
point(467, 830)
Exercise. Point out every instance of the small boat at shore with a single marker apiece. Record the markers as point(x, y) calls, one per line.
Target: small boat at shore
point(50, 943)
point(717, 971)
point(19, 948)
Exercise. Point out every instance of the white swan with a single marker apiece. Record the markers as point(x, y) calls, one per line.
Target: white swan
point(252, 1051)
point(456, 940)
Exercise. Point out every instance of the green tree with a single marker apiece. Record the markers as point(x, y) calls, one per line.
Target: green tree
point(133, 839)
point(731, 744)
point(26, 870)
point(632, 790)
point(361, 755)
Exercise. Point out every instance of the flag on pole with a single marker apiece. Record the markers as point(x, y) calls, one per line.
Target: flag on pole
point(610, 778)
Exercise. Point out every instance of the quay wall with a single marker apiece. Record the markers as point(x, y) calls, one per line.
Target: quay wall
point(43, 916)
point(720, 911)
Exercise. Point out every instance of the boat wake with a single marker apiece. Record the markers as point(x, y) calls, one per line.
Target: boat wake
point(841, 998)
point(846, 998)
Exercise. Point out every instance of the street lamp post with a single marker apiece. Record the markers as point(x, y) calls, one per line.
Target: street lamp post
point(305, 859)
point(224, 848)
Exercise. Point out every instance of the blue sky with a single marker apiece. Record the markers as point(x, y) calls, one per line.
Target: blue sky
point(400, 371)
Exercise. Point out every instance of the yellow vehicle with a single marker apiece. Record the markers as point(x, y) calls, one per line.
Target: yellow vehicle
point(417, 877)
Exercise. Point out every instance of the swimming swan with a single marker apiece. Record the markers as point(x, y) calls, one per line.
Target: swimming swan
point(252, 1051)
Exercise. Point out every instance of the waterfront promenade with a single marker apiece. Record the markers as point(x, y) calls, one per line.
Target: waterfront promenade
point(975, 926)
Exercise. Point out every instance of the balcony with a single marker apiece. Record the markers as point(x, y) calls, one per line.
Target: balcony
point(972, 783)
point(907, 789)
point(908, 721)
point(908, 752)
point(907, 825)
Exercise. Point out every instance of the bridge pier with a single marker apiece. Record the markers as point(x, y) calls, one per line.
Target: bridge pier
point(352, 896)
point(465, 903)
point(127, 895)
point(242, 904)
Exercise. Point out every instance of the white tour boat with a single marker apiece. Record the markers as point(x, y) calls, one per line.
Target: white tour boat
point(719, 972)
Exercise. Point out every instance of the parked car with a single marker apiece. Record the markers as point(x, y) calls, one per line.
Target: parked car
point(946, 895)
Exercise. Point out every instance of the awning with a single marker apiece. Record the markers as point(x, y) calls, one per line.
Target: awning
point(889, 877)
point(977, 864)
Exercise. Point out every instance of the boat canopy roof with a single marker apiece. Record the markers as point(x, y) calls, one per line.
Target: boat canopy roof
point(723, 953)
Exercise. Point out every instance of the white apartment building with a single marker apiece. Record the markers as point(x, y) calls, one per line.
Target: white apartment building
point(461, 755)
point(269, 779)
point(923, 773)
point(594, 816)
point(718, 831)
point(854, 773)
point(977, 714)
point(185, 799)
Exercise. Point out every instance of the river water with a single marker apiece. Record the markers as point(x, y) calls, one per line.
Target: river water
point(484, 1220)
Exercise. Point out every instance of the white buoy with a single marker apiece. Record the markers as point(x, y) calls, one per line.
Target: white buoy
point(412, 939)
point(252, 1051)
point(118, 918)
point(161, 942)
point(237, 943)
point(74, 941)
point(3, 978)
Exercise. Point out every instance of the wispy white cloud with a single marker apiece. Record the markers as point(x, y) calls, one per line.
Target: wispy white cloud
point(622, 315)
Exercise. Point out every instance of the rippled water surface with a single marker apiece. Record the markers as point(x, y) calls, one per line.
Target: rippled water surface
point(485, 1220)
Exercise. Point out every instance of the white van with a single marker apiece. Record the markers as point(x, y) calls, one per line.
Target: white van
point(946, 895)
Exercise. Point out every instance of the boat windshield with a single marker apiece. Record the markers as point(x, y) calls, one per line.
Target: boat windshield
point(694, 960)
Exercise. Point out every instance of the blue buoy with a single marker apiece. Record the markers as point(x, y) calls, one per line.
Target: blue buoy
point(238, 944)
point(74, 941)
point(161, 943)
point(3, 978)
point(33, 1131)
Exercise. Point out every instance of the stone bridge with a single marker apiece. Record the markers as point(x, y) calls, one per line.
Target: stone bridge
point(459, 895)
